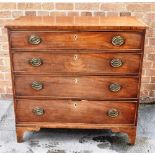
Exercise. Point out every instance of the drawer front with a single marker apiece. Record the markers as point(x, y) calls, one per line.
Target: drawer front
point(76, 40)
point(67, 111)
point(84, 87)
point(107, 63)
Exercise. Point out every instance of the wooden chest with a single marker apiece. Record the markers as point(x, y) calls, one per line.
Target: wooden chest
point(76, 72)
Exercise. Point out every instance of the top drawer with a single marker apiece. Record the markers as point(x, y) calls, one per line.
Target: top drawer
point(76, 40)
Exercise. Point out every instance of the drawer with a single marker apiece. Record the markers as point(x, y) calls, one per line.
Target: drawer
point(107, 63)
point(76, 40)
point(83, 87)
point(67, 111)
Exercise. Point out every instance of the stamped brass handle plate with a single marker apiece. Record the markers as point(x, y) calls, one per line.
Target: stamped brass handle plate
point(118, 41)
point(115, 87)
point(37, 85)
point(113, 113)
point(34, 40)
point(38, 111)
point(36, 62)
point(116, 63)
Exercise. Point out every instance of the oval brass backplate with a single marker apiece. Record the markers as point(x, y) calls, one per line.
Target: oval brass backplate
point(36, 62)
point(34, 40)
point(118, 41)
point(116, 63)
point(38, 111)
point(113, 113)
point(115, 87)
point(37, 85)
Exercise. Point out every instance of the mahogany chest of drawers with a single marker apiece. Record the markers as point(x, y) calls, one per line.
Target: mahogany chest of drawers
point(76, 72)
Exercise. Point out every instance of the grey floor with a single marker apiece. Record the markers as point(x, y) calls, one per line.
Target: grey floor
point(79, 141)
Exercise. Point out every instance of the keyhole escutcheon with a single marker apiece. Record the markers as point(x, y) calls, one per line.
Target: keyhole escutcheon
point(75, 37)
point(75, 57)
point(76, 80)
point(75, 104)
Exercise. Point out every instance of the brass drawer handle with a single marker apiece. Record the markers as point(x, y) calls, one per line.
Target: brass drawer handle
point(38, 111)
point(37, 85)
point(118, 41)
point(113, 113)
point(116, 63)
point(34, 40)
point(36, 62)
point(115, 87)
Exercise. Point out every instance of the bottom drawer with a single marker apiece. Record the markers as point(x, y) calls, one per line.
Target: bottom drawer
point(67, 111)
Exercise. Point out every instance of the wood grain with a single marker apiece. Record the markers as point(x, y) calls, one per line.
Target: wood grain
point(20, 132)
point(76, 63)
point(76, 72)
point(84, 40)
point(85, 23)
point(128, 129)
point(93, 112)
point(88, 87)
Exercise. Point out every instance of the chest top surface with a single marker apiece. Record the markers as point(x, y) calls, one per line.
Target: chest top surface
point(76, 23)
